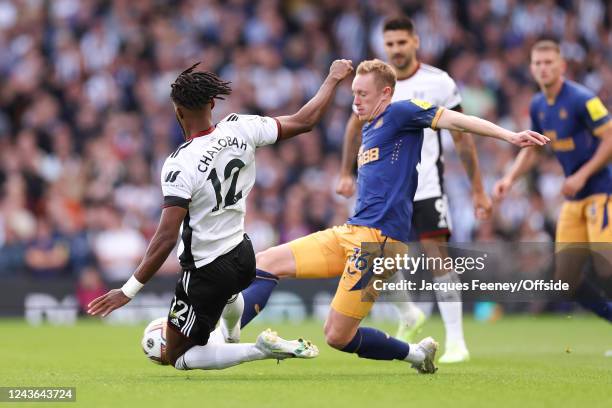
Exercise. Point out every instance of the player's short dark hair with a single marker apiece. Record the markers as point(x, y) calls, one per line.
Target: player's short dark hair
point(399, 23)
point(193, 90)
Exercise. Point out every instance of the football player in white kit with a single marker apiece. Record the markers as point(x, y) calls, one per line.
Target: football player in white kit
point(431, 219)
point(205, 183)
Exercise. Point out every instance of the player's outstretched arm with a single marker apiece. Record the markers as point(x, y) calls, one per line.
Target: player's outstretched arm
point(466, 149)
point(452, 120)
point(525, 160)
point(158, 250)
point(310, 114)
point(352, 140)
point(602, 156)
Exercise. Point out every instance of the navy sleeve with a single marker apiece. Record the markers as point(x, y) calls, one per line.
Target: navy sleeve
point(592, 112)
point(533, 114)
point(416, 114)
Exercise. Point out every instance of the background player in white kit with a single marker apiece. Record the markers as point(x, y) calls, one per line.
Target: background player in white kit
point(431, 218)
point(205, 183)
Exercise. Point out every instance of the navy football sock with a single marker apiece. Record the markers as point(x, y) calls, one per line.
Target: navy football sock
point(256, 295)
point(589, 297)
point(376, 345)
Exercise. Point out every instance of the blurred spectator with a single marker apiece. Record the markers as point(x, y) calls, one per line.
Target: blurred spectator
point(117, 248)
point(47, 256)
point(89, 287)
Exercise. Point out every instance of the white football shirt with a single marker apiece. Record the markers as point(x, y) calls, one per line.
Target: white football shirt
point(437, 87)
point(211, 176)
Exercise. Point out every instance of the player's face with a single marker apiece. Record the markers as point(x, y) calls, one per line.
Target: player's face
point(401, 47)
point(369, 95)
point(547, 67)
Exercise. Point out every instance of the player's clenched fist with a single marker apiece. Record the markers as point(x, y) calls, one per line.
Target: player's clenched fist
point(346, 186)
point(340, 69)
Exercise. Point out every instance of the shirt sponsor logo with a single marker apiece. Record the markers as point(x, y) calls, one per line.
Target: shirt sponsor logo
point(171, 176)
point(368, 156)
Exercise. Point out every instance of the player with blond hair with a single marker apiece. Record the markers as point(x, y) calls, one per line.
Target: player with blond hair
point(386, 184)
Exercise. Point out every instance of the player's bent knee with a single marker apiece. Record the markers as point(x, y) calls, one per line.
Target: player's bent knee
point(277, 260)
point(336, 338)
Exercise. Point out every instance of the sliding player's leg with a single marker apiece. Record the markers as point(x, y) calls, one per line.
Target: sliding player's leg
point(200, 298)
point(192, 318)
point(317, 255)
point(343, 333)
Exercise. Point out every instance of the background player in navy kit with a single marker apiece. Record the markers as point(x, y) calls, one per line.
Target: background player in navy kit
point(580, 128)
point(431, 221)
point(386, 183)
point(216, 256)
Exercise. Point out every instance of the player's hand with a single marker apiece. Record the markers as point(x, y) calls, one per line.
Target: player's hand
point(105, 304)
point(572, 185)
point(528, 138)
point(346, 186)
point(501, 188)
point(340, 69)
point(482, 206)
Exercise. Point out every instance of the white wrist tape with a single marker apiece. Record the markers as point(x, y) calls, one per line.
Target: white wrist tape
point(131, 287)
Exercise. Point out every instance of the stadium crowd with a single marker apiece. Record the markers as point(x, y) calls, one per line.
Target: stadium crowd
point(86, 120)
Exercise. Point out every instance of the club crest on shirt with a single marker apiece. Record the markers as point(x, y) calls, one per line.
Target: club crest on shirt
point(379, 123)
point(541, 115)
point(562, 113)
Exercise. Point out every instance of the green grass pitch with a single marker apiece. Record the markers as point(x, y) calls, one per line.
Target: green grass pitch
point(517, 361)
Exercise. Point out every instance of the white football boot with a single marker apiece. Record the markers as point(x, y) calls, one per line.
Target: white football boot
point(269, 342)
point(429, 347)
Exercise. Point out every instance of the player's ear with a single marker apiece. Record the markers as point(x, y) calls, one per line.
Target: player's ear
point(417, 41)
point(563, 65)
point(388, 91)
point(212, 104)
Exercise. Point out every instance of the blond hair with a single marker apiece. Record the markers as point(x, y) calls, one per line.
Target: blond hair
point(384, 74)
point(546, 45)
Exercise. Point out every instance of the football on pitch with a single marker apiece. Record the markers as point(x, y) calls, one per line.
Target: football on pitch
point(154, 340)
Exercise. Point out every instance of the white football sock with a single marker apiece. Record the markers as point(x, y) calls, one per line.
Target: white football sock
point(219, 356)
point(216, 337)
point(230, 317)
point(449, 303)
point(415, 354)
